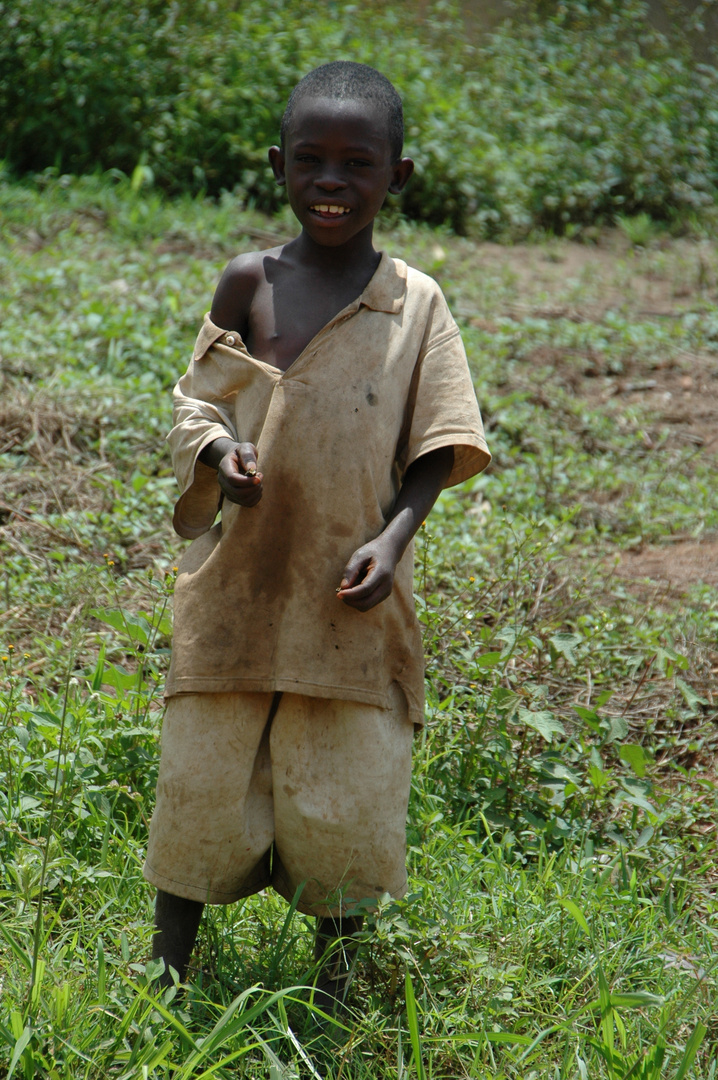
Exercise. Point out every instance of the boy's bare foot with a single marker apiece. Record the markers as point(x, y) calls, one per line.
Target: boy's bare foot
point(335, 951)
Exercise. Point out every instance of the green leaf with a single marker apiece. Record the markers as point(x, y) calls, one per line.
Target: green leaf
point(640, 999)
point(544, 722)
point(99, 669)
point(632, 754)
point(19, 1047)
point(508, 1038)
point(635, 797)
point(510, 636)
point(115, 675)
point(142, 176)
point(693, 700)
point(575, 912)
point(589, 716)
point(618, 728)
point(646, 835)
point(556, 770)
point(692, 1048)
point(412, 1018)
point(665, 658)
point(128, 625)
point(488, 660)
point(604, 995)
point(565, 644)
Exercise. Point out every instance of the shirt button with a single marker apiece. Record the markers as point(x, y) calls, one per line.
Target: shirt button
point(230, 339)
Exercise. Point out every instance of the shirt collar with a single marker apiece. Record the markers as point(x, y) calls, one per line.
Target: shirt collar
point(386, 289)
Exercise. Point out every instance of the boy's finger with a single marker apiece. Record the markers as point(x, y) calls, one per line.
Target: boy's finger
point(244, 490)
point(242, 482)
point(247, 458)
point(354, 573)
point(362, 586)
point(358, 598)
point(358, 592)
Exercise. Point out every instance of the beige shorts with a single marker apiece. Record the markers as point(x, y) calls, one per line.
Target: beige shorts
point(283, 790)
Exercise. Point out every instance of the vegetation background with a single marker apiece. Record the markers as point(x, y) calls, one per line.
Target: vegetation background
point(562, 915)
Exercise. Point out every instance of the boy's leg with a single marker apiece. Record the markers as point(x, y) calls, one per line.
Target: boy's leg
point(335, 951)
point(342, 776)
point(213, 823)
point(176, 925)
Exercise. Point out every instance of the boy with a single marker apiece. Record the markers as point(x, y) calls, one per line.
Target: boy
point(327, 404)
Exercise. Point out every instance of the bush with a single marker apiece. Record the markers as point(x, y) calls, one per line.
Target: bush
point(558, 119)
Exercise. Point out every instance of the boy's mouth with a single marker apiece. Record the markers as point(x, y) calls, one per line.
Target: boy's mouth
point(333, 210)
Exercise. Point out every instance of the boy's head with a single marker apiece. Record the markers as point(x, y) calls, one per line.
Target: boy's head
point(345, 80)
point(340, 155)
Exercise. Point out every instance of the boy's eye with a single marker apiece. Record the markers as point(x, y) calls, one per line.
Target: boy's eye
point(359, 161)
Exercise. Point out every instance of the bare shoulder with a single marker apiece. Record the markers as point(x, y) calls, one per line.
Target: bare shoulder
point(236, 290)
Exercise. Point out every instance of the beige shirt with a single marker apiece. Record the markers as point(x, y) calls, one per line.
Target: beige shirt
point(255, 599)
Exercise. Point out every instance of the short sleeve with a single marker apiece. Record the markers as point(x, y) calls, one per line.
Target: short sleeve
point(200, 415)
point(443, 406)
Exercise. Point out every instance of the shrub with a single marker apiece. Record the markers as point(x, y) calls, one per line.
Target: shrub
point(558, 119)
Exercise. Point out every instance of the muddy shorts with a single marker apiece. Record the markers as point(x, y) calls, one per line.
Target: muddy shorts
point(260, 789)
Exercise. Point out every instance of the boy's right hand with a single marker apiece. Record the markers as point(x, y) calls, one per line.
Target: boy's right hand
point(238, 477)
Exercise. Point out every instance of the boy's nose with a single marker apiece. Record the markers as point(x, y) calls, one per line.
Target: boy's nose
point(331, 181)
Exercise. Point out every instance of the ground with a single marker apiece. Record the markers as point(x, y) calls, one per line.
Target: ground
point(667, 282)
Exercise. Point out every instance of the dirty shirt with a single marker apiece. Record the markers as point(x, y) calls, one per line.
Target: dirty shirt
point(255, 598)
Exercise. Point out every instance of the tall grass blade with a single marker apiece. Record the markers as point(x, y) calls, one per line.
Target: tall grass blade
point(19, 1048)
point(575, 912)
point(39, 917)
point(692, 1047)
point(604, 995)
point(412, 1018)
point(278, 951)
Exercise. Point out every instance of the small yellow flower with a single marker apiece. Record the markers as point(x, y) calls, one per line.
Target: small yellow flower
point(175, 569)
point(472, 579)
point(4, 657)
point(10, 648)
point(110, 562)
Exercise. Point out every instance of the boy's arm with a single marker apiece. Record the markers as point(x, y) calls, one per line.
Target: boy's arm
point(236, 463)
point(369, 575)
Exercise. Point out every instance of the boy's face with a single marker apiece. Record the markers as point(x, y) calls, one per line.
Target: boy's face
point(337, 166)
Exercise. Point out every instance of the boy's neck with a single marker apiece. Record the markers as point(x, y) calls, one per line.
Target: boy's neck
point(357, 257)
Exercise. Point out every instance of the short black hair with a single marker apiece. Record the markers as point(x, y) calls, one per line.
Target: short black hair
point(346, 80)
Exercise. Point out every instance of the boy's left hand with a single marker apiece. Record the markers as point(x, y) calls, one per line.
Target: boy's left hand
point(369, 575)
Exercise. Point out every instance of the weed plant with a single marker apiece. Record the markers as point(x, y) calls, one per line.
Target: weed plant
point(566, 116)
point(562, 848)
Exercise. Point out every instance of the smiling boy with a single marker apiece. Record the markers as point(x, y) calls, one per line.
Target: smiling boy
point(327, 403)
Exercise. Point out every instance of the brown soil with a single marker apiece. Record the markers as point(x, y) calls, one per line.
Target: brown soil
point(679, 564)
point(677, 395)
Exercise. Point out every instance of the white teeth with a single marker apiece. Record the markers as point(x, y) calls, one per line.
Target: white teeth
point(323, 208)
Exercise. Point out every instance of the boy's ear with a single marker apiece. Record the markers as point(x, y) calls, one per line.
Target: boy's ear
point(276, 160)
point(400, 175)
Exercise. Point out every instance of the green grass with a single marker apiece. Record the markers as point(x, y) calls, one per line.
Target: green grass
point(561, 921)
